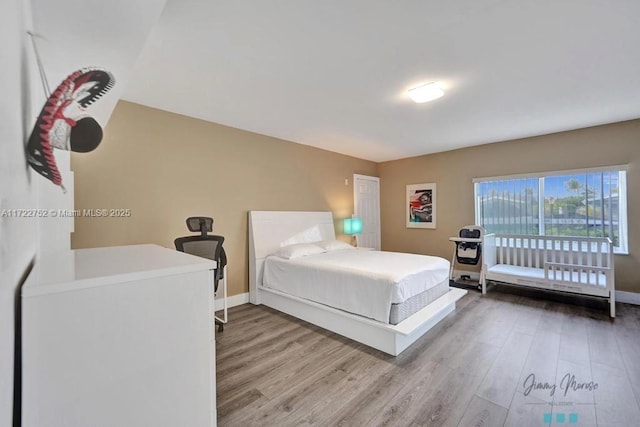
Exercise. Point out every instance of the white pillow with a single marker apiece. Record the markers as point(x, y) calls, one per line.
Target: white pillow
point(334, 245)
point(299, 250)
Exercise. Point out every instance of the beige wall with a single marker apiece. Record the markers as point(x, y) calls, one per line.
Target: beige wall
point(166, 167)
point(453, 171)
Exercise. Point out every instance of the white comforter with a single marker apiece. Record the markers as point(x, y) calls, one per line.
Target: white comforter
point(360, 282)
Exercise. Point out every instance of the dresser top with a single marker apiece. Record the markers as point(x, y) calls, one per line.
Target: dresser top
point(73, 270)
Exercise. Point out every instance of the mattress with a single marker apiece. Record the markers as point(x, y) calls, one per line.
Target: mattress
point(412, 305)
point(366, 283)
point(576, 277)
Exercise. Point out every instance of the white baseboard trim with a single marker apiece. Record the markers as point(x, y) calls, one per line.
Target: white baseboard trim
point(628, 297)
point(232, 301)
point(621, 296)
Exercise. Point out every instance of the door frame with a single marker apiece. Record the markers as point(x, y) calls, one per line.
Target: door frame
point(356, 177)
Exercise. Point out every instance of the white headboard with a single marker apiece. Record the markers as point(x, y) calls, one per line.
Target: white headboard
point(270, 230)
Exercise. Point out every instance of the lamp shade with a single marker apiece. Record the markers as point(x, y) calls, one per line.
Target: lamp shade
point(352, 225)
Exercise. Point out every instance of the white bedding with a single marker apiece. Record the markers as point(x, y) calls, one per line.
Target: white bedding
point(360, 282)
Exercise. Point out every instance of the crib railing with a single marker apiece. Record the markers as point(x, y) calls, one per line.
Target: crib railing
point(536, 251)
point(575, 264)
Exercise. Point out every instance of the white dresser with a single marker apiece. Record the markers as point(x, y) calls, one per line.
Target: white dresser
point(119, 336)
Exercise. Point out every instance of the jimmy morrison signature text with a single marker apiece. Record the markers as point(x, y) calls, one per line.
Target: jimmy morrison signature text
point(567, 383)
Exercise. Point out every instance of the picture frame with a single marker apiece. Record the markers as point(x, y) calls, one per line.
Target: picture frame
point(421, 205)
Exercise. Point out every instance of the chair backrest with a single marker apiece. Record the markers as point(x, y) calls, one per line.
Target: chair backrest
point(472, 231)
point(209, 246)
point(470, 252)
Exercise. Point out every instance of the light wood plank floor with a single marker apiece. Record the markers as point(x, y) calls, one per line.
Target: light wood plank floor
point(512, 357)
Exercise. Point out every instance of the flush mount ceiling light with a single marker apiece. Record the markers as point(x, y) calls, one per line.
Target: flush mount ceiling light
point(425, 93)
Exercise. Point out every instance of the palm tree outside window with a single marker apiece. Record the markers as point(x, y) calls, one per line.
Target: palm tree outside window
point(585, 203)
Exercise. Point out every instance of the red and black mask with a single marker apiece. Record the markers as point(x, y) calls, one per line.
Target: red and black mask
point(63, 122)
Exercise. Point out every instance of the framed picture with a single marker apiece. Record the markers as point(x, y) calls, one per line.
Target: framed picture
point(421, 205)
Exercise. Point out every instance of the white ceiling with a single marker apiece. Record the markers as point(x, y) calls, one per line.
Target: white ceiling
point(334, 73)
point(73, 34)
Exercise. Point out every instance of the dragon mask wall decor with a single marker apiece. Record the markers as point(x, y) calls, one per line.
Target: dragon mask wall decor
point(63, 122)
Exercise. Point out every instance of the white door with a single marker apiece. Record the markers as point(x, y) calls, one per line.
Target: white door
point(366, 202)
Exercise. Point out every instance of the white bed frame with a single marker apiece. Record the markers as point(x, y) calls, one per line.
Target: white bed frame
point(270, 230)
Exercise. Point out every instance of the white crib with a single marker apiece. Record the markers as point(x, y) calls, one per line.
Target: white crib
point(581, 265)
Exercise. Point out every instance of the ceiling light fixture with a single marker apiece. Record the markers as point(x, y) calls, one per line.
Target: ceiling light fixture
point(425, 93)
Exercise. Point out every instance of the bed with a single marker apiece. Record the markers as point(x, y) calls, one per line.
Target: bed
point(382, 299)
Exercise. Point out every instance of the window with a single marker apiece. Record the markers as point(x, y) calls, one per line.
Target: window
point(586, 203)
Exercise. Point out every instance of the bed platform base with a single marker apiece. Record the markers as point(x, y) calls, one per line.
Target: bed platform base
point(390, 339)
point(269, 230)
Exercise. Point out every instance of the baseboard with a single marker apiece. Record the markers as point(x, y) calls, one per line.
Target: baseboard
point(621, 296)
point(232, 301)
point(628, 297)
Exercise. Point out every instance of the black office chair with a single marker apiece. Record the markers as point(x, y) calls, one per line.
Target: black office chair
point(206, 246)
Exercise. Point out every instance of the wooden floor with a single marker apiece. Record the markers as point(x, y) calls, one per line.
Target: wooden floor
point(477, 367)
